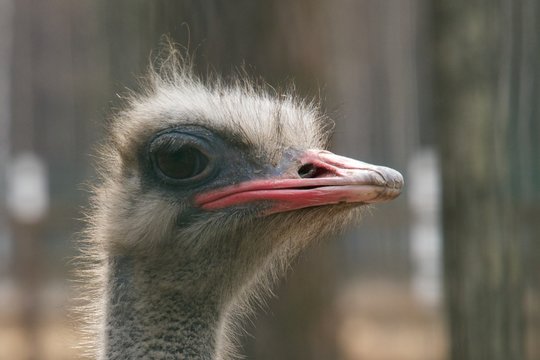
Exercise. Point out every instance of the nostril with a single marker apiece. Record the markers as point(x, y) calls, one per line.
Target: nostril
point(310, 170)
point(307, 171)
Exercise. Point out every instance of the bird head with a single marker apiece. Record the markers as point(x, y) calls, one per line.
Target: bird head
point(226, 181)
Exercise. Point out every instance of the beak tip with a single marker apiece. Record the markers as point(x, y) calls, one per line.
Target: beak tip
point(392, 178)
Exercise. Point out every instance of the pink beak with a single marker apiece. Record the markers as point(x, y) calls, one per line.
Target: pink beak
point(323, 179)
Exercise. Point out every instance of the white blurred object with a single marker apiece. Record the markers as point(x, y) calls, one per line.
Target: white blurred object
point(27, 188)
point(424, 191)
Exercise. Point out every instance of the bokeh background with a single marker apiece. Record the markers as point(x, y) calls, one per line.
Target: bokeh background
point(446, 91)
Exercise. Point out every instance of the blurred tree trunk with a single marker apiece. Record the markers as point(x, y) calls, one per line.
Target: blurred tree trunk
point(486, 93)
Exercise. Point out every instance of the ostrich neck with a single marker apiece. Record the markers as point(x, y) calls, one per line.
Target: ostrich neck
point(149, 316)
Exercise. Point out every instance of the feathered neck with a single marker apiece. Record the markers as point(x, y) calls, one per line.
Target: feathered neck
point(149, 315)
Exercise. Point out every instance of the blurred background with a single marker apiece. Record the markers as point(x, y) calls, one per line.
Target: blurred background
point(447, 92)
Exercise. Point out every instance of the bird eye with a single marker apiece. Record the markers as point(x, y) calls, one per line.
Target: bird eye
point(179, 157)
point(181, 164)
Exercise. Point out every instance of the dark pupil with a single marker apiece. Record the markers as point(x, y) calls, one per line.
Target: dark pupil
point(183, 163)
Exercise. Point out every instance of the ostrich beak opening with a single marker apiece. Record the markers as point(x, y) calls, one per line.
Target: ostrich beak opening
point(320, 178)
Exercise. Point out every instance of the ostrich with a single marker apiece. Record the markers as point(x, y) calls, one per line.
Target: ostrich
point(207, 190)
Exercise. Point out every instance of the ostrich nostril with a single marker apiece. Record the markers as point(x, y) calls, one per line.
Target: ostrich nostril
point(310, 170)
point(306, 171)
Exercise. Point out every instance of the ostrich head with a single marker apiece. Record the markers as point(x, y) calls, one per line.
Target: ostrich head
point(207, 191)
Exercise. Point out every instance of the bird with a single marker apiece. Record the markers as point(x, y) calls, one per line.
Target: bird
point(207, 189)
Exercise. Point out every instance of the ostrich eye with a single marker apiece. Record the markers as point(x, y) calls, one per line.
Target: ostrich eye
point(179, 158)
point(182, 164)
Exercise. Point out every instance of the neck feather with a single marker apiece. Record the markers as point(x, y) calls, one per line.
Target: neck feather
point(149, 316)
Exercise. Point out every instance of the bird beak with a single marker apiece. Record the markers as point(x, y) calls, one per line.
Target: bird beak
point(320, 178)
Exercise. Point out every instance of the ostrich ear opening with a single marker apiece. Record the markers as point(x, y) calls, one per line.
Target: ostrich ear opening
point(322, 178)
